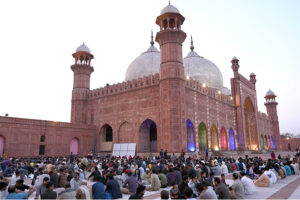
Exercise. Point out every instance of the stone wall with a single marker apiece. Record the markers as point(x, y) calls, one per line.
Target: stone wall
point(285, 142)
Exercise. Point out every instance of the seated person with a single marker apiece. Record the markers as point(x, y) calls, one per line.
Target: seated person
point(262, 181)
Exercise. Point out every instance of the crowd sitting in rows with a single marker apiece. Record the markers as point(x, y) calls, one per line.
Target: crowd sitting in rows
point(113, 177)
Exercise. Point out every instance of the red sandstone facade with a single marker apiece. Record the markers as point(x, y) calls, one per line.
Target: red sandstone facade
point(161, 111)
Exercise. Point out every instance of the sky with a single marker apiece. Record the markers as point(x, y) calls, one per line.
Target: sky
point(37, 39)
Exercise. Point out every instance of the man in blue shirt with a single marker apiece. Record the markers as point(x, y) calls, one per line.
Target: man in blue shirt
point(13, 195)
point(98, 188)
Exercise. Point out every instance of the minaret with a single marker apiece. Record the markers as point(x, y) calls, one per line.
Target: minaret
point(271, 106)
point(81, 86)
point(172, 131)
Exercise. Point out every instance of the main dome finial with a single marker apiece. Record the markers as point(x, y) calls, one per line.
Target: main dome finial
point(192, 44)
point(152, 42)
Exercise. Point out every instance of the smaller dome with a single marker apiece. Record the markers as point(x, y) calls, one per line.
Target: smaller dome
point(235, 58)
point(270, 93)
point(226, 91)
point(83, 48)
point(169, 9)
point(252, 74)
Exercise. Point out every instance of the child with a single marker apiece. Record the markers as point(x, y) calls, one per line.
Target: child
point(174, 192)
point(223, 179)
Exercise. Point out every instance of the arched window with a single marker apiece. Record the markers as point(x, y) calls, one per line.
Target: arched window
point(191, 145)
point(42, 139)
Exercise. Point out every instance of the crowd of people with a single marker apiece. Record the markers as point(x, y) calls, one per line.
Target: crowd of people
point(176, 177)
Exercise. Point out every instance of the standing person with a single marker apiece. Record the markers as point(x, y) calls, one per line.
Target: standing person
point(273, 156)
point(221, 189)
point(62, 178)
point(113, 187)
point(41, 188)
point(166, 154)
point(140, 191)
point(54, 177)
point(75, 181)
point(49, 193)
point(98, 188)
point(238, 187)
point(161, 154)
point(71, 158)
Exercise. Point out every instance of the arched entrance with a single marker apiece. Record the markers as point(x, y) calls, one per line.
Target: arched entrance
point(214, 138)
point(202, 136)
point(191, 145)
point(224, 141)
point(266, 143)
point(148, 136)
point(262, 142)
point(106, 138)
point(74, 145)
point(126, 134)
point(269, 142)
point(2, 142)
point(272, 142)
point(231, 139)
point(250, 125)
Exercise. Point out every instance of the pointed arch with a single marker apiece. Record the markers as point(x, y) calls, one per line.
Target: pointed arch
point(2, 144)
point(214, 138)
point(272, 142)
point(191, 145)
point(125, 133)
point(269, 141)
point(262, 141)
point(224, 141)
point(231, 139)
point(266, 142)
point(250, 125)
point(106, 138)
point(202, 136)
point(74, 146)
point(148, 136)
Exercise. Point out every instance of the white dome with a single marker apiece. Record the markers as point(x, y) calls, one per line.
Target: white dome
point(270, 93)
point(226, 91)
point(148, 63)
point(169, 9)
point(202, 70)
point(83, 48)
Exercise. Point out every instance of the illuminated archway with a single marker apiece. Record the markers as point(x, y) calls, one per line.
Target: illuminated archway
point(262, 142)
point(202, 136)
point(224, 141)
point(214, 138)
point(148, 136)
point(266, 142)
point(269, 141)
point(231, 139)
point(272, 142)
point(191, 145)
point(250, 125)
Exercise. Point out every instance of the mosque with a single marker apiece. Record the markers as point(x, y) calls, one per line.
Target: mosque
point(167, 101)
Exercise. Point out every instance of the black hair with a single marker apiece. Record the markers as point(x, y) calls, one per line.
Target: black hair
point(11, 189)
point(235, 175)
point(164, 194)
point(199, 187)
point(110, 176)
point(217, 180)
point(242, 173)
point(188, 192)
point(20, 181)
point(3, 185)
point(193, 176)
point(140, 188)
point(46, 179)
point(222, 174)
point(98, 178)
point(185, 177)
point(212, 174)
point(49, 184)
